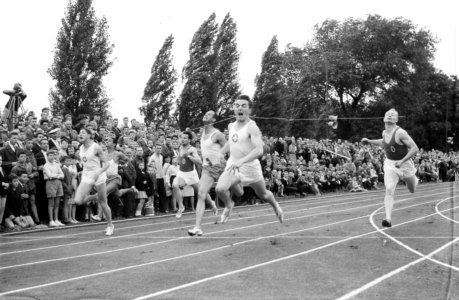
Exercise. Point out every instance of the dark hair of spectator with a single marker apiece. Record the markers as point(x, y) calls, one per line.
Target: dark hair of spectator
point(189, 134)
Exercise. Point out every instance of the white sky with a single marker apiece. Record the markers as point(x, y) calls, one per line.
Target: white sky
point(138, 28)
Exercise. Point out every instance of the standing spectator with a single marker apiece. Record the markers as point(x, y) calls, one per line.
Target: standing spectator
point(67, 189)
point(53, 174)
point(8, 153)
point(143, 184)
point(158, 160)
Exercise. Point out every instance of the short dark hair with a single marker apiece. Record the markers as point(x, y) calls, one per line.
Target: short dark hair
point(189, 134)
point(246, 98)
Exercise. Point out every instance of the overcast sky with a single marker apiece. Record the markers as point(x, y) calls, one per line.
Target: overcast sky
point(138, 28)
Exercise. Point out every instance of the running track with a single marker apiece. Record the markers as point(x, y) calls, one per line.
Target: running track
point(330, 247)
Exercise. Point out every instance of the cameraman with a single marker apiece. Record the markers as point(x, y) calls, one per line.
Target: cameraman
point(17, 95)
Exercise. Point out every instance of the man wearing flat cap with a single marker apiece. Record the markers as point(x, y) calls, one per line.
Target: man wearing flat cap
point(54, 141)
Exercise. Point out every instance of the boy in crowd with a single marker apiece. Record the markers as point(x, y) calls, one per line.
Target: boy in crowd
point(52, 174)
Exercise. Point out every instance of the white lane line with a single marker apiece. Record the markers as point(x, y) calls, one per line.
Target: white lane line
point(396, 271)
point(179, 238)
point(296, 202)
point(330, 199)
point(193, 283)
point(181, 227)
point(405, 267)
point(383, 232)
point(442, 215)
point(206, 251)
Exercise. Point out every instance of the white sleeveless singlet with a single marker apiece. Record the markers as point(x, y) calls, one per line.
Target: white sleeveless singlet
point(210, 151)
point(91, 162)
point(240, 143)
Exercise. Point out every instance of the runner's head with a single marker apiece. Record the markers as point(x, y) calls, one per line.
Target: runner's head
point(209, 117)
point(187, 137)
point(84, 135)
point(242, 107)
point(391, 116)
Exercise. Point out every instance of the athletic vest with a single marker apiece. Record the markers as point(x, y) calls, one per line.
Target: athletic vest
point(210, 151)
point(393, 150)
point(186, 165)
point(90, 161)
point(112, 168)
point(240, 142)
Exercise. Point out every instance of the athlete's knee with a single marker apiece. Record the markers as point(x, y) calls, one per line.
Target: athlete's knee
point(390, 191)
point(202, 195)
point(221, 189)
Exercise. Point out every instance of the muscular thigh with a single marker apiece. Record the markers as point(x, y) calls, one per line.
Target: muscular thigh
point(205, 183)
point(227, 180)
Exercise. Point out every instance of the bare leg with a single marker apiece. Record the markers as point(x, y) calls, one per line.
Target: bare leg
point(51, 209)
point(56, 208)
point(411, 183)
point(33, 209)
point(262, 193)
point(390, 181)
point(177, 186)
point(226, 182)
point(102, 193)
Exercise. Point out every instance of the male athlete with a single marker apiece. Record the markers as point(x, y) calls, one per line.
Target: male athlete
point(213, 165)
point(187, 175)
point(94, 167)
point(245, 146)
point(398, 165)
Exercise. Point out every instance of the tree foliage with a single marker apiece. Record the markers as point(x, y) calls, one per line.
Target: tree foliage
point(358, 68)
point(158, 95)
point(269, 101)
point(210, 73)
point(81, 59)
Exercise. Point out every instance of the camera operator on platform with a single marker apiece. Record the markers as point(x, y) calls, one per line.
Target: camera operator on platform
point(10, 113)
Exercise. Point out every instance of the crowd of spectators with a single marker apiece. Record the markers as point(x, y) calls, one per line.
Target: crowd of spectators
point(44, 148)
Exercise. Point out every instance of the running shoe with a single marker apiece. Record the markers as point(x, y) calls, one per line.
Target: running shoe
point(195, 231)
point(386, 223)
point(53, 224)
point(226, 213)
point(59, 223)
point(95, 218)
point(180, 212)
point(110, 230)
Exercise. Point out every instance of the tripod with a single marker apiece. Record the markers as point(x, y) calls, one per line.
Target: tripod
point(10, 113)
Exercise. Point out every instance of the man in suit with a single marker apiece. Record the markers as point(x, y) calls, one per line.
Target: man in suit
point(8, 153)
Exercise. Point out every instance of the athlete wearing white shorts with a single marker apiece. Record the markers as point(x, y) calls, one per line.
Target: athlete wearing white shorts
point(399, 148)
point(245, 146)
point(213, 164)
point(94, 167)
point(187, 175)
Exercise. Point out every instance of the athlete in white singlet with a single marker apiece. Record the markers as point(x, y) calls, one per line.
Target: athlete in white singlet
point(113, 181)
point(94, 167)
point(213, 165)
point(243, 168)
point(398, 165)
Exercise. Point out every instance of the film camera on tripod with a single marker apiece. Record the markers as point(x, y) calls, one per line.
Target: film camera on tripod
point(10, 113)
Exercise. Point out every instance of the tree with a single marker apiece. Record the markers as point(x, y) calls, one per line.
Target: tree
point(197, 95)
point(268, 101)
point(212, 81)
point(81, 59)
point(159, 92)
point(359, 61)
point(226, 81)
